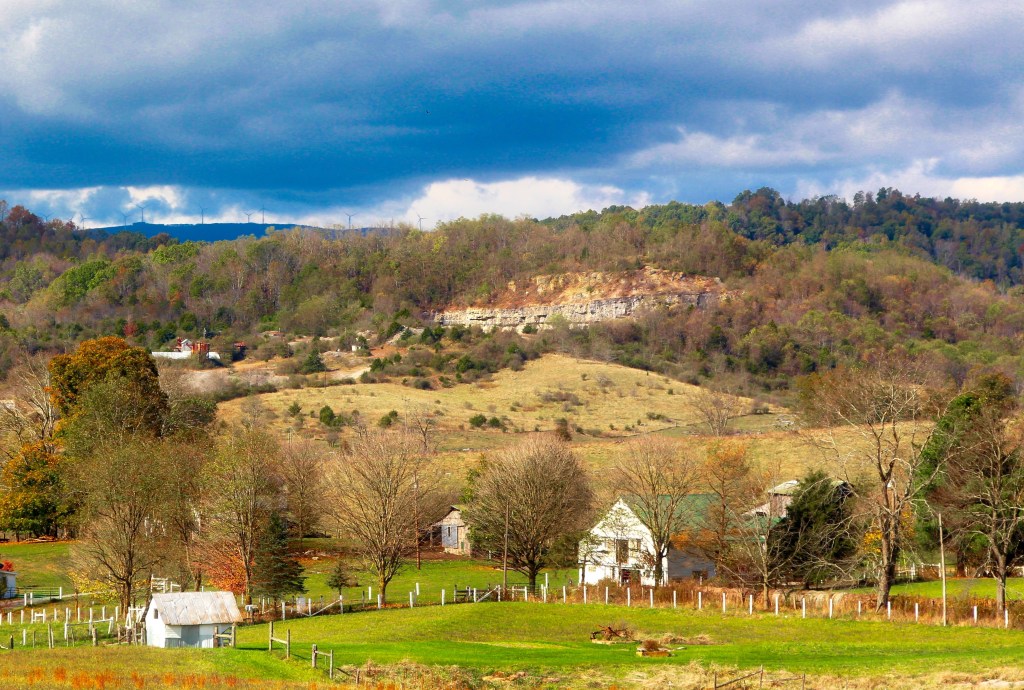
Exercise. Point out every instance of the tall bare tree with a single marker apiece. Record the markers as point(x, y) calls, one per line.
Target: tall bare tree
point(31, 417)
point(124, 500)
point(241, 485)
point(657, 476)
point(384, 492)
point(301, 468)
point(876, 419)
point(531, 497)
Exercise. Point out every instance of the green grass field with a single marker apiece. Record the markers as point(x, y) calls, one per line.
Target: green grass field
point(967, 587)
point(550, 645)
point(434, 576)
point(554, 639)
point(42, 565)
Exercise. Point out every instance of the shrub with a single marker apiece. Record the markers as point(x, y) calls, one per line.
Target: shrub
point(313, 364)
point(477, 421)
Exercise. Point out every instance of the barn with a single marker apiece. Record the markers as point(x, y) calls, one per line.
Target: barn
point(454, 532)
point(189, 619)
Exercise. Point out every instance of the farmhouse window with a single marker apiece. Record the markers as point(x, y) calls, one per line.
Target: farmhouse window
point(156, 615)
point(622, 551)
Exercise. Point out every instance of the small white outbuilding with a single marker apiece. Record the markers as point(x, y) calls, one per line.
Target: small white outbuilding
point(188, 619)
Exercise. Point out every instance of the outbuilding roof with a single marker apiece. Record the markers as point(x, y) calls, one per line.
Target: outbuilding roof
point(196, 608)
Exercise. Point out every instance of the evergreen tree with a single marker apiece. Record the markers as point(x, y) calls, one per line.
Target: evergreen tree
point(313, 364)
point(817, 539)
point(341, 577)
point(275, 572)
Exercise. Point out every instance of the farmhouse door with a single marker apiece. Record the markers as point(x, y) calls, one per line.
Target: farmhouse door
point(625, 576)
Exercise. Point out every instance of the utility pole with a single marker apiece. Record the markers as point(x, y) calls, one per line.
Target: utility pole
point(942, 567)
point(504, 556)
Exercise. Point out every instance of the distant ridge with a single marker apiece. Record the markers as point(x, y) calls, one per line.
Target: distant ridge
point(212, 232)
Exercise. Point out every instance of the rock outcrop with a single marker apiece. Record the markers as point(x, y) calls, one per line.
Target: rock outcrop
point(583, 299)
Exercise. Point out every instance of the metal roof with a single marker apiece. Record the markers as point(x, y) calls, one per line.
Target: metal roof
point(196, 608)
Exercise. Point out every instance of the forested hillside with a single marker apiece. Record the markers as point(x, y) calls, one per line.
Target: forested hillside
point(814, 283)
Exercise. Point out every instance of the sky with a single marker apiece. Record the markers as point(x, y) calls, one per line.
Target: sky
point(422, 111)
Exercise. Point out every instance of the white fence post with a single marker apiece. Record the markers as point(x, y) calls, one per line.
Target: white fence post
point(673, 598)
point(700, 601)
point(750, 605)
point(584, 594)
point(776, 603)
point(442, 596)
point(830, 608)
point(888, 610)
point(917, 612)
point(803, 605)
point(629, 597)
point(563, 594)
point(605, 596)
point(410, 600)
point(723, 602)
point(380, 603)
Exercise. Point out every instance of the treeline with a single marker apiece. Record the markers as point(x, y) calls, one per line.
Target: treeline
point(814, 284)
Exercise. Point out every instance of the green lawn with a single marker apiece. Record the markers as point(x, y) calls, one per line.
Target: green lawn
point(42, 565)
point(556, 637)
point(434, 576)
point(967, 587)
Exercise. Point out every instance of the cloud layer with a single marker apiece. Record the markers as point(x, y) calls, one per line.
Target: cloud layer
point(533, 107)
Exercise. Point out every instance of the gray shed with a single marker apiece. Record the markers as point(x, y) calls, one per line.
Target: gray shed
point(188, 619)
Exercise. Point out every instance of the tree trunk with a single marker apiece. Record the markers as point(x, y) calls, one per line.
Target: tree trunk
point(533, 578)
point(659, 570)
point(887, 574)
point(1000, 573)
point(382, 587)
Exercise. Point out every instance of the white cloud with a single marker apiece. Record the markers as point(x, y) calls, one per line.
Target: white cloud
point(889, 132)
point(437, 202)
point(536, 197)
point(920, 177)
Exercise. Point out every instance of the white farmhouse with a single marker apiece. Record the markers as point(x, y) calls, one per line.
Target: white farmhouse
point(620, 548)
point(188, 619)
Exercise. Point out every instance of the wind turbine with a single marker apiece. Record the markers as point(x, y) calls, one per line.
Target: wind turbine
point(263, 214)
point(350, 220)
point(202, 216)
point(124, 219)
point(421, 220)
point(248, 216)
point(82, 219)
point(46, 217)
point(142, 207)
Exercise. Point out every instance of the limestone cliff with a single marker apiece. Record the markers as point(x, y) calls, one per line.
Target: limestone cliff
point(585, 298)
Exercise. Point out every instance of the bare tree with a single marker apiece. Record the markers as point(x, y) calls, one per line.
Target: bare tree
point(877, 419)
point(531, 497)
point(243, 492)
point(122, 489)
point(715, 408)
point(738, 522)
point(301, 468)
point(384, 492)
point(658, 476)
point(31, 417)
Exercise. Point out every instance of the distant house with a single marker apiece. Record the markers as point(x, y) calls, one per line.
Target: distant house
point(619, 547)
point(781, 496)
point(8, 586)
point(185, 348)
point(188, 619)
point(454, 536)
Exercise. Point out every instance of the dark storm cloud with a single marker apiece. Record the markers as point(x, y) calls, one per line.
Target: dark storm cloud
point(317, 103)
